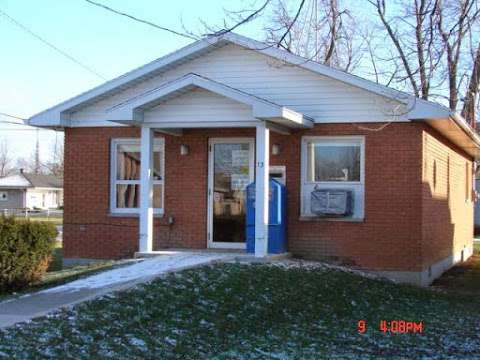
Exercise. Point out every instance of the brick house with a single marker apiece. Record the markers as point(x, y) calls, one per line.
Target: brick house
point(211, 117)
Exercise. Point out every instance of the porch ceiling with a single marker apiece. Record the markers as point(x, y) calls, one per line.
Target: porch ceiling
point(132, 110)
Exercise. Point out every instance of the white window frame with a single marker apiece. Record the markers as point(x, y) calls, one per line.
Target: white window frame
point(114, 181)
point(306, 186)
point(6, 196)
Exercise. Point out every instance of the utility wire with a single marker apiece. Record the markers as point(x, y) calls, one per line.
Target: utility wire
point(60, 51)
point(11, 122)
point(12, 116)
point(16, 123)
point(146, 22)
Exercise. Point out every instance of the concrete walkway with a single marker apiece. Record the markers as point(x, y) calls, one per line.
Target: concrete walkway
point(41, 303)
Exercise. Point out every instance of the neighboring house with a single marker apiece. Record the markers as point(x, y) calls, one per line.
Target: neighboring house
point(31, 191)
point(209, 118)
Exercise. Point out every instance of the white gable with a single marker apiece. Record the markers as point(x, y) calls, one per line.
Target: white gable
point(199, 105)
point(314, 95)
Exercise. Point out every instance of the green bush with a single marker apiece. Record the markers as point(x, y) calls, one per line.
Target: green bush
point(26, 249)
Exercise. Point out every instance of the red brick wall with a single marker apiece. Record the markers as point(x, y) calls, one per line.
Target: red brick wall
point(91, 232)
point(389, 238)
point(447, 205)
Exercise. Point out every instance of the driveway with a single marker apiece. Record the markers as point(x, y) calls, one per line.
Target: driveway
point(40, 303)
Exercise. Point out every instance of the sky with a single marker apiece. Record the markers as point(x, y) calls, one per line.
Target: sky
point(34, 77)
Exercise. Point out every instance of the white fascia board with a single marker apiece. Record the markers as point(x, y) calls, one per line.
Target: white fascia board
point(132, 109)
point(457, 130)
point(297, 118)
point(462, 123)
point(423, 109)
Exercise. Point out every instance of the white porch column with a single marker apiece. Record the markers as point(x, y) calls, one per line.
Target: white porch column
point(262, 152)
point(146, 191)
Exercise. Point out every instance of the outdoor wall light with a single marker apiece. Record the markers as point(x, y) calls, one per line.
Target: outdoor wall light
point(184, 149)
point(275, 149)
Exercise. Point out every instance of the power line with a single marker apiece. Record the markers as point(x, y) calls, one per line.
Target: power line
point(12, 116)
point(16, 123)
point(12, 123)
point(60, 51)
point(146, 22)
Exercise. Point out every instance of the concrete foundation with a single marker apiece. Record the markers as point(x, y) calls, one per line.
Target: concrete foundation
point(428, 275)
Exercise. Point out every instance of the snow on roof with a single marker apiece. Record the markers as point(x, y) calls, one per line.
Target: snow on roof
point(14, 181)
point(26, 180)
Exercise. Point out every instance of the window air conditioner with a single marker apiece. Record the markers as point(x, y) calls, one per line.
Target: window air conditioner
point(329, 202)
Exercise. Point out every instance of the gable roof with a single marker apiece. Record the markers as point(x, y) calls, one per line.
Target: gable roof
point(25, 180)
point(43, 181)
point(418, 109)
point(16, 181)
point(132, 109)
point(56, 116)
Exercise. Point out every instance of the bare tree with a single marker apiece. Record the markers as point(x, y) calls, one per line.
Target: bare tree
point(429, 48)
point(26, 164)
point(470, 104)
point(454, 20)
point(5, 159)
point(323, 31)
point(55, 165)
point(415, 53)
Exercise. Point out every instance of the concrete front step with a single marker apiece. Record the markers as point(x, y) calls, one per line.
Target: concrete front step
point(236, 255)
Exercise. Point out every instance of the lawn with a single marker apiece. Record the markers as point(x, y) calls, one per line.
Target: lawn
point(464, 278)
point(241, 311)
point(57, 275)
point(53, 219)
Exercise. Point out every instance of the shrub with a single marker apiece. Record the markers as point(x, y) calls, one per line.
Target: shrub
point(26, 249)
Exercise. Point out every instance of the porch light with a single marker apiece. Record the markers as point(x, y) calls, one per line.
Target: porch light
point(275, 149)
point(184, 149)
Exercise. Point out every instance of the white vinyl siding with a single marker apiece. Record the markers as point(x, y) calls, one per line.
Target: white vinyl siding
point(317, 96)
point(353, 182)
point(199, 105)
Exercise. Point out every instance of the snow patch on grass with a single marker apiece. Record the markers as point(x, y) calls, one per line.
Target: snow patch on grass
point(145, 269)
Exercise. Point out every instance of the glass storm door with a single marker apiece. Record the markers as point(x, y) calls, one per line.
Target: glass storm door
point(231, 164)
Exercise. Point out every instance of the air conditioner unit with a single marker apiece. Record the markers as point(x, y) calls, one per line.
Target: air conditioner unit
point(328, 202)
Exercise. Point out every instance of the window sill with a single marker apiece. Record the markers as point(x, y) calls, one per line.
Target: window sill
point(133, 214)
point(332, 219)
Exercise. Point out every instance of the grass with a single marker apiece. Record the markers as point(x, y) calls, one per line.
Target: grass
point(235, 311)
point(54, 220)
point(464, 279)
point(57, 275)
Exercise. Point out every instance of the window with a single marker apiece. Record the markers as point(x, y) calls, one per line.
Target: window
point(125, 176)
point(333, 163)
point(330, 162)
point(3, 196)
